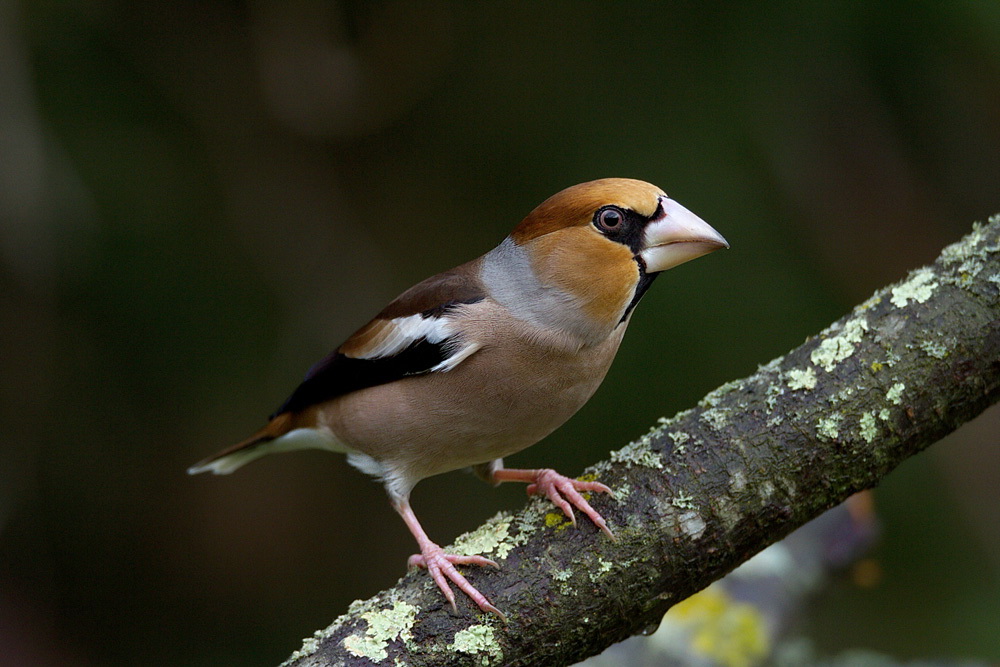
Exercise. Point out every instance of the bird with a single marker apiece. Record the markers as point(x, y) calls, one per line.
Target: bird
point(479, 362)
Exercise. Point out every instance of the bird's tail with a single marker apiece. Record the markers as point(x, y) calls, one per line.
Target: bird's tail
point(246, 451)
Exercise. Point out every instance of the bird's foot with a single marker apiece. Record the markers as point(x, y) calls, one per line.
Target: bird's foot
point(441, 567)
point(565, 493)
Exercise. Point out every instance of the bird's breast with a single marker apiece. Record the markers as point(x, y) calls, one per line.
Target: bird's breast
point(519, 387)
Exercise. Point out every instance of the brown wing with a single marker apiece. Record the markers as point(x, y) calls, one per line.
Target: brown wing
point(459, 285)
point(411, 336)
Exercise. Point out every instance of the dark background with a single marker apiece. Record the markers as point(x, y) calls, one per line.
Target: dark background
point(200, 199)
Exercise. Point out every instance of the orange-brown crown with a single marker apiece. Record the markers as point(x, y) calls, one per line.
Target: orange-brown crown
point(576, 205)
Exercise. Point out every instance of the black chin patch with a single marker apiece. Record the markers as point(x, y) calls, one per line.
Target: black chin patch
point(645, 280)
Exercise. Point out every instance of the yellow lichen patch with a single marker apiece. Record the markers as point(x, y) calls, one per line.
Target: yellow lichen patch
point(876, 366)
point(723, 630)
point(557, 520)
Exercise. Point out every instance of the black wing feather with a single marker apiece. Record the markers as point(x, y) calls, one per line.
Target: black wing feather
point(339, 374)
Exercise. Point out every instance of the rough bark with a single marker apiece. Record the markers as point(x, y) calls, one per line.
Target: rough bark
point(752, 615)
point(707, 489)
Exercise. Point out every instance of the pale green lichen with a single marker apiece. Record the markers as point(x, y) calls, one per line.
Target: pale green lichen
point(737, 481)
point(679, 438)
point(621, 492)
point(835, 349)
point(969, 256)
point(638, 453)
point(869, 303)
point(774, 391)
point(868, 429)
point(827, 428)
point(717, 418)
point(603, 567)
point(682, 501)
point(966, 249)
point(490, 538)
point(934, 348)
point(842, 395)
point(772, 366)
point(664, 422)
point(895, 393)
point(968, 271)
point(563, 577)
point(476, 640)
point(528, 522)
point(715, 396)
point(918, 288)
point(891, 358)
point(884, 414)
point(384, 626)
point(311, 644)
point(799, 378)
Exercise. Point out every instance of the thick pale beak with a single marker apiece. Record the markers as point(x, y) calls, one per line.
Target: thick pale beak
point(677, 236)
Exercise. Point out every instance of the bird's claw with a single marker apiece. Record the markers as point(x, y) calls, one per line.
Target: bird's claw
point(564, 492)
point(441, 567)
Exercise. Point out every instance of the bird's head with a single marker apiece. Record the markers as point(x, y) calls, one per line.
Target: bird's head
point(635, 216)
point(594, 248)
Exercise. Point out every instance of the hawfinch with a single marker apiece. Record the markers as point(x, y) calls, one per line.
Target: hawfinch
point(482, 361)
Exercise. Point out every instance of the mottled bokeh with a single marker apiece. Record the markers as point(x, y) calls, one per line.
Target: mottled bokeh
point(200, 199)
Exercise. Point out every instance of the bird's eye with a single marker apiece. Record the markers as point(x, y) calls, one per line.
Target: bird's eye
point(610, 218)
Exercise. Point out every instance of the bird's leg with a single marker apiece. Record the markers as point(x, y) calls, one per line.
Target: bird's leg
point(561, 490)
point(441, 565)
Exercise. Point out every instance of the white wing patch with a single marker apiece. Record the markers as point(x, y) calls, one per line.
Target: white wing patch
point(457, 357)
point(400, 333)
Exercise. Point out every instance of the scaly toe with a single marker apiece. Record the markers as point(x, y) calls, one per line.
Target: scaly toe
point(441, 567)
point(565, 494)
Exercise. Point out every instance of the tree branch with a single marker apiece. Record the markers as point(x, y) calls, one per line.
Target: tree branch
point(707, 489)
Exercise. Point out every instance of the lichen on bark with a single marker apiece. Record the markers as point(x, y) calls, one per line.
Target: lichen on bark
point(705, 490)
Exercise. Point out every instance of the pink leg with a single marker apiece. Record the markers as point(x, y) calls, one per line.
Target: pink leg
point(561, 490)
point(441, 565)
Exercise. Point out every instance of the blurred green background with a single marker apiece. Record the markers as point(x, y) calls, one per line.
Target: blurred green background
point(200, 199)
